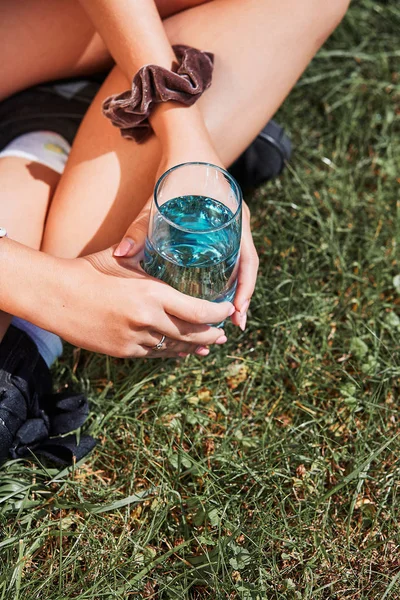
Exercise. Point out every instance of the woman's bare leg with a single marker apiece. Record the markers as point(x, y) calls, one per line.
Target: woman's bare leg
point(26, 189)
point(42, 40)
point(261, 47)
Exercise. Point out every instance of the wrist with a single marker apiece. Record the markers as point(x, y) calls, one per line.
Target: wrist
point(135, 112)
point(177, 126)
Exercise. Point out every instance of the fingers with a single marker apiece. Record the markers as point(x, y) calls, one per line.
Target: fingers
point(135, 236)
point(180, 336)
point(150, 340)
point(177, 349)
point(247, 276)
point(195, 311)
point(179, 331)
point(169, 349)
point(145, 352)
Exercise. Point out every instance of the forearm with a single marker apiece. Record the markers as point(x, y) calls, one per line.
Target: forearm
point(135, 36)
point(28, 282)
point(132, 31)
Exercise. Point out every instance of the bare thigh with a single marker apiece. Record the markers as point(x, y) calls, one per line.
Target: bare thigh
point(41, 40)
point(108, 179)
point(26, 190)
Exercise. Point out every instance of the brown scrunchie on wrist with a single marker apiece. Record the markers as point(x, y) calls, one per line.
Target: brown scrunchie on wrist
point(153, 84)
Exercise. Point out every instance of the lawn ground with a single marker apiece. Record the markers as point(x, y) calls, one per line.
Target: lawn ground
point(270, 469)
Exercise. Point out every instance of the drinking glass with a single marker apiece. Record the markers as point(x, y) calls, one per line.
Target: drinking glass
point(194, 231)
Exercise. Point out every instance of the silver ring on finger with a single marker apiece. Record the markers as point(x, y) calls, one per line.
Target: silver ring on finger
point(161, 345)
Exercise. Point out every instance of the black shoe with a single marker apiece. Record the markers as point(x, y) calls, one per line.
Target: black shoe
point(24, 377)
point(30, 415)
point(264, 159)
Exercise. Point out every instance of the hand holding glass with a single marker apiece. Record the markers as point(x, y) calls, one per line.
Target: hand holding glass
point(194, 232)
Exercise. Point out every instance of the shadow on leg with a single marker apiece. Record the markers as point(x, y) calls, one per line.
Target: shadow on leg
point(26, 190)
point(108, 179)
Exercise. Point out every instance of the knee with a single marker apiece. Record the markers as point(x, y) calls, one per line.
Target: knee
point(339, 10)
point(331, 14)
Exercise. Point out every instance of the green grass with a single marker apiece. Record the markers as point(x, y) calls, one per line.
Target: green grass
point(270, 469)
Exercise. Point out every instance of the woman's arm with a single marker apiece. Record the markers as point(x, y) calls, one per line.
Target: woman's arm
point(132, 31)
point(105, 305)
point(135, 36)
point(28, 279)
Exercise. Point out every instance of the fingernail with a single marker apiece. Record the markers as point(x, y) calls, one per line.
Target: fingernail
point(221, 340)
point(242, 321)
point(202, 351)
point(233, 310)
point(183, 354)
point(244, 307)
point(124, 247)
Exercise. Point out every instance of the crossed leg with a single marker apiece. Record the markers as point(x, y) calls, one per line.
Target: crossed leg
point(41, 40)
point(261, 47)
point(26, 189)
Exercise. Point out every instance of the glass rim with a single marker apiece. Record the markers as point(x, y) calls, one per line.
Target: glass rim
point(226, 174)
